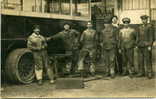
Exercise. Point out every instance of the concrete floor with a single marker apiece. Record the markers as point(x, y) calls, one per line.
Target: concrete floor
point(105, 87)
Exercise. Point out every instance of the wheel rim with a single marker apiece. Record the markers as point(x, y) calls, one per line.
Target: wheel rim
point(26, 68)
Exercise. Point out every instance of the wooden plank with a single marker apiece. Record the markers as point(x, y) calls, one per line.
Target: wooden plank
point(69, 83)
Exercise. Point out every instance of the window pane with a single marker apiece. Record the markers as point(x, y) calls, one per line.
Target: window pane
point(153, 3)
point(80, 8)
point(28, 5)
point(135, 4)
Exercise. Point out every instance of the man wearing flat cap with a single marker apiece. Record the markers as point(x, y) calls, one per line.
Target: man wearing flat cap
point(109, 44)
point(38, 45)
point(88, 47)
point(127, 42)
point(145, 39)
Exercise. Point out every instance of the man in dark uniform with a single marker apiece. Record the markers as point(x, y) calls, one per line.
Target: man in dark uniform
point(70, 39)
point(127, 42)
point(38, 45)
point(109, 43)
point(145, 39)
point(88, 46)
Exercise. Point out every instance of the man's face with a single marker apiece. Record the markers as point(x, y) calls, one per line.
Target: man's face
point(114, 20)
point(89, 25)
point(66, 27)
point(37, 32)
point(126, 24)
point(144, 21)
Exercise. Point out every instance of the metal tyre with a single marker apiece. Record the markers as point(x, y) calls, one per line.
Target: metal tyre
point(20, 66)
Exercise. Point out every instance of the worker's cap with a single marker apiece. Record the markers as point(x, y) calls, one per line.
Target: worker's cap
point(126, 20)
point(67, 23)
point(143, 17)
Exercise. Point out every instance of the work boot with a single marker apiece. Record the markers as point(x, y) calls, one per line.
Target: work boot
point(107, 75)
point(124, 74)
point(131, 75)
point(40, 82)
point(92, 74)
point(82, 74)
point(149, 75)
point(112, 73)
point(140, 75)
point(2, 89)
point(112, 76)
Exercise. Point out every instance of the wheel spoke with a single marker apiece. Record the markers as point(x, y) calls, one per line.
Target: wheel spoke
point(26, 67)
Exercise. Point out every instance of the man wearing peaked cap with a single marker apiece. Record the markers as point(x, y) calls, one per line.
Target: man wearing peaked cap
point(127, 41)
point(144, 17)
point(145, 42)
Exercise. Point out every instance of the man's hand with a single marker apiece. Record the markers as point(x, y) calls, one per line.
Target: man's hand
point(136, 47)
point(119, 50)
point(149, 48)
point(49, 38)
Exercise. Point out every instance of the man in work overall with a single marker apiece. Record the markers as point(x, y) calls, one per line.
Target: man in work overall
point(127, 43)
point(70, 38)
point(88, 47)
point(38, 45)
point(109, 43)
point(145, 39)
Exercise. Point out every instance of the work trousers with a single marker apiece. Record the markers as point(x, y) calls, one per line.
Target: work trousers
point(41, 61)
point(82, 58)
point(128, 60)
point(109, 60)
point(145, 60)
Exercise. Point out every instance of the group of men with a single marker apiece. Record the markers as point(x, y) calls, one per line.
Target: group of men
point(113, 39)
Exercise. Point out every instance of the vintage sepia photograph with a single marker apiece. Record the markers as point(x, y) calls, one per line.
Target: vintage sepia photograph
point(78, 48)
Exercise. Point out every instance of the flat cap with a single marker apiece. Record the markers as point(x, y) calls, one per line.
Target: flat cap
point(144, 17)
point(36, 28)
point(124, 20)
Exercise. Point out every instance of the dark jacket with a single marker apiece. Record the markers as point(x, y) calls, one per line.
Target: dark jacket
point(145, 35)
point(88, 39)
point(68, 37)
point(109, 37)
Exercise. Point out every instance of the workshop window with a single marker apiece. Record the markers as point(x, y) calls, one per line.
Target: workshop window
point(135, 4)
point(81, 8)
point(11, 4)
point(153, 9)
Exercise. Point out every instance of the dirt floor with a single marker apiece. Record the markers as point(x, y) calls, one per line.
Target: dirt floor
point(104, 87)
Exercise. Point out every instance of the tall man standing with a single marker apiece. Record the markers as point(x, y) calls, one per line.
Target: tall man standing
point(109, 43)
point(38, 45)
point(88, 47)
point(118, 61)
point(145, 39)
point(70, 39)
point(127, 42)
